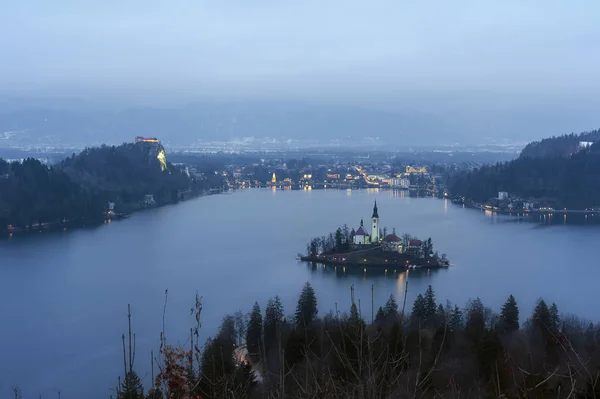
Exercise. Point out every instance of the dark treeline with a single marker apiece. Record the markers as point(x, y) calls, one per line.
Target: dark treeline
point(80, 186)
point(560, 146)
point(572, 182)
point(437, 350)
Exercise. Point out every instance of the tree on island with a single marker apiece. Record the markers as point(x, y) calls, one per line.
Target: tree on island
point(307, 309)
point(339, 239)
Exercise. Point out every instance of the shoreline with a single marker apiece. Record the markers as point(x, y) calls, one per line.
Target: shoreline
point(386, 264)
point(84, 222)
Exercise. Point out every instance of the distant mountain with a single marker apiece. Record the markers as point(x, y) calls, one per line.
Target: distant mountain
point(571, 181)
point(560, 146)
point(223, 121)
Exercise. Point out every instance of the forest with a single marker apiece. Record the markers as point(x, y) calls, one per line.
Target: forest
point(79, 187)
point(436, 350)
point(562, 181)
point(561, 146)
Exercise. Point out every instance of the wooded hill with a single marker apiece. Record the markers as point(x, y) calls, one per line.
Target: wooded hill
point(80, 186)
point(549, 170)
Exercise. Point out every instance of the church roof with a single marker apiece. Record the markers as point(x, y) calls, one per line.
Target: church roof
point(361, 232)
point(375, 215)
point(392, 238)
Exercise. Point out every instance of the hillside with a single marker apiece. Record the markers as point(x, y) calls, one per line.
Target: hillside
point(560, 146)
point(562, 181)
point(80, 186)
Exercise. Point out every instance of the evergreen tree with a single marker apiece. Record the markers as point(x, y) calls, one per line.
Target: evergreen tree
point(217, 359)
point(273, 318)
point(455, 322)
point(541, 316)
point(418, 310)
point(440, 315)
point(554, 317)
point(429, 303)
point(339, 239)
point(306, 310)
point(131, 387)
point(380, 315)
point(509, 316)
point(475, 319)
point(254, 331)
point(391, 307)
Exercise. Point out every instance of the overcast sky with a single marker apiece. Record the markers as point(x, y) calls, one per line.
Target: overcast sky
point(435, 53)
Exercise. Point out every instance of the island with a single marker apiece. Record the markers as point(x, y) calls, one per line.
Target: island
point(358, 248)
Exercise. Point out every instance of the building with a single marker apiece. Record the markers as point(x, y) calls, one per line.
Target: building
point(274, 178)
point(140, 139)
point(362, 237)
point(502, 195)
point(375, 225)
point(392, 243)
point(149, 200)
point(414, 248)
point(399, 182)
point(415, 169)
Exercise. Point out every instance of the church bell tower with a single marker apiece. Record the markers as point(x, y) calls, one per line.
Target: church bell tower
point(375, 225)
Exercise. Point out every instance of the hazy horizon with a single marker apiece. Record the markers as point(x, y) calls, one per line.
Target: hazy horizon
point(467, 71)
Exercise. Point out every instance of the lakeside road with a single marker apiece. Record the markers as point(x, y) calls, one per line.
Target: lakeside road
point(531, 212)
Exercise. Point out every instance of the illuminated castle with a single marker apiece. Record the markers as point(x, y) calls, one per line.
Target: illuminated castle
point(140, 139)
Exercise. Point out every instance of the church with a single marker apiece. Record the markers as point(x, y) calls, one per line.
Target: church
point(362, 237)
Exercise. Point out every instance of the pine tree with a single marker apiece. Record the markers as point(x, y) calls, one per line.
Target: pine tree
point(475, 319)
point(254, 331)
point(306, 310)
point(273, 318)
point(418, 310)
point(455, 322)
point(391, 307)
point(440, 315)
point(338, 239)
point(541, 316)
point(429, 304)
point(509, 316)
point(131, 387)
point(380, 316)
point(554, 317)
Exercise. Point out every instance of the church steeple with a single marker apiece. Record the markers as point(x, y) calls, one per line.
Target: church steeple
point(375, 226)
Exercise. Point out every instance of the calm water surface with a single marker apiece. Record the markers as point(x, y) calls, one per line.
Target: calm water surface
point(64, 295)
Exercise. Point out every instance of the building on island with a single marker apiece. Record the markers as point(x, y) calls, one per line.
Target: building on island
point(392, 243)
point(362, 237)
point(502, 195)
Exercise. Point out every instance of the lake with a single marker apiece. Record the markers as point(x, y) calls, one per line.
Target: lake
point(65, 294)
